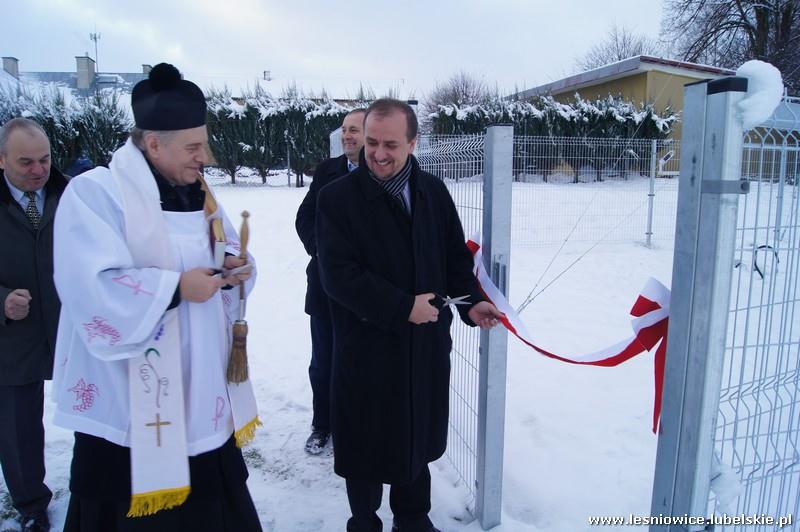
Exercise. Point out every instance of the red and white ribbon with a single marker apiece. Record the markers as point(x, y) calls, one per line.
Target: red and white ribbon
point(650, 321)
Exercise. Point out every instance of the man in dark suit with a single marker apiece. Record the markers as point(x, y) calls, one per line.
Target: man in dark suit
point(390, 245)
point(29, 193)
point(317, 304)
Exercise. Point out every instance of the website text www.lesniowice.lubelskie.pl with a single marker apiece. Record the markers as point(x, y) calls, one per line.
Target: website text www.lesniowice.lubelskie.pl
point(723, 519)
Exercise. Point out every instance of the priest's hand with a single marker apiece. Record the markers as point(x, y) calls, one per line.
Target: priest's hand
point(17, 304)
point(484, 314)
point(241, 275)
point(199, 284)
point(423, 311)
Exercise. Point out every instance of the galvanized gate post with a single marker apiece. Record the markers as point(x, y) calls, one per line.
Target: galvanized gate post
point(496, 247)
point(710, 182)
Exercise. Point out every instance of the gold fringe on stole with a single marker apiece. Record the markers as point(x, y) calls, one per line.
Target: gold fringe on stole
point(247, 433)
point(148, 503)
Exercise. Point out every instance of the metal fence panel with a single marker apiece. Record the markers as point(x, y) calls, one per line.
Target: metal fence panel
point(249, 177)
point(603, 176)
point(758, 425)
point(459, 162)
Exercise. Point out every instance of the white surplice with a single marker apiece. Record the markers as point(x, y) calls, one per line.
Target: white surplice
point(109, 308)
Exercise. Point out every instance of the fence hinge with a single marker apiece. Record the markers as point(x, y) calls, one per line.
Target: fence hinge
point(500, 274)
point(718, 186)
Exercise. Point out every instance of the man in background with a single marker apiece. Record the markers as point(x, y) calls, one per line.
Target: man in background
point(317, 304)
point(29, 193)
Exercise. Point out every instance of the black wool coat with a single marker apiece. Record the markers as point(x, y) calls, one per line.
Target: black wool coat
point(390, 378)
point(327, 171)
point(27, 346)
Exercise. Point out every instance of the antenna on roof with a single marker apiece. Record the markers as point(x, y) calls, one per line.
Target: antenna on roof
point(95, 37)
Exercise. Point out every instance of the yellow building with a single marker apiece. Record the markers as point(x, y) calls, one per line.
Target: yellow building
point(640, 79)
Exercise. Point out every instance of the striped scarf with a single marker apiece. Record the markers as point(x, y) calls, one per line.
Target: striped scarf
point(394, 186)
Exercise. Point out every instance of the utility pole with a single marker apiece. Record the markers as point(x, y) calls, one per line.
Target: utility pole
point(95, 37)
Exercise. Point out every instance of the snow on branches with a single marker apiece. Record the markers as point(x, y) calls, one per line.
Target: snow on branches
point(544, 116)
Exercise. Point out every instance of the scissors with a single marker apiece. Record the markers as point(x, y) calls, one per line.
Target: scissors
point(441, 301)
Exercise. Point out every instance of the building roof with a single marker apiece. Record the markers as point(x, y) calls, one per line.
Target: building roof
point(120, 80)
point(625, 68)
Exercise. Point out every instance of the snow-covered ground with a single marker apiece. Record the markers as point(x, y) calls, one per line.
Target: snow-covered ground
point(578, 439)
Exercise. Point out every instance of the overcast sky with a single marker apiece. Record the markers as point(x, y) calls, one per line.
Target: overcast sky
point(408, 46)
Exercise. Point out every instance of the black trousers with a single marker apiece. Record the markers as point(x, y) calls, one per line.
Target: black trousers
point(410, 504)
point(22, 446)
point(319, 371)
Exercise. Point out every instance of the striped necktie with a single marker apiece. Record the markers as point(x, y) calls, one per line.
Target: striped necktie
point(32, 212)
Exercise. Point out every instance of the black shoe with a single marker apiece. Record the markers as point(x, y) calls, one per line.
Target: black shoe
point(317, 441)
point(377, 525)
point(37, 522)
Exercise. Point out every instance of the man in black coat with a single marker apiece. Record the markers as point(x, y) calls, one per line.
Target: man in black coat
point(317, 306)
point(390, 244)
point(29, 194)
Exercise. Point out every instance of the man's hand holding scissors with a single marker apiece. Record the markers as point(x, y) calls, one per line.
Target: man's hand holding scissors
point(427, 306)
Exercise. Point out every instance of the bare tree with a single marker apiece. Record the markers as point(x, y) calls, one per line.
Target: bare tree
point(461, 89)
point(620, 43)
point(729, 32)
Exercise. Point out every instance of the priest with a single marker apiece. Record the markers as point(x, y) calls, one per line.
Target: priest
point(143, 256)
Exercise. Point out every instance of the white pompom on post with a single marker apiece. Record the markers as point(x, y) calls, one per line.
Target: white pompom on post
point(764, 92)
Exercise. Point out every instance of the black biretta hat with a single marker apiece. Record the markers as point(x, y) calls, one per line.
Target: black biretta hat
point(166, 102)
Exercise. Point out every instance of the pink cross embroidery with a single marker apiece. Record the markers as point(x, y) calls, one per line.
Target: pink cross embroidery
point(134, 284)
point(220, 408)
